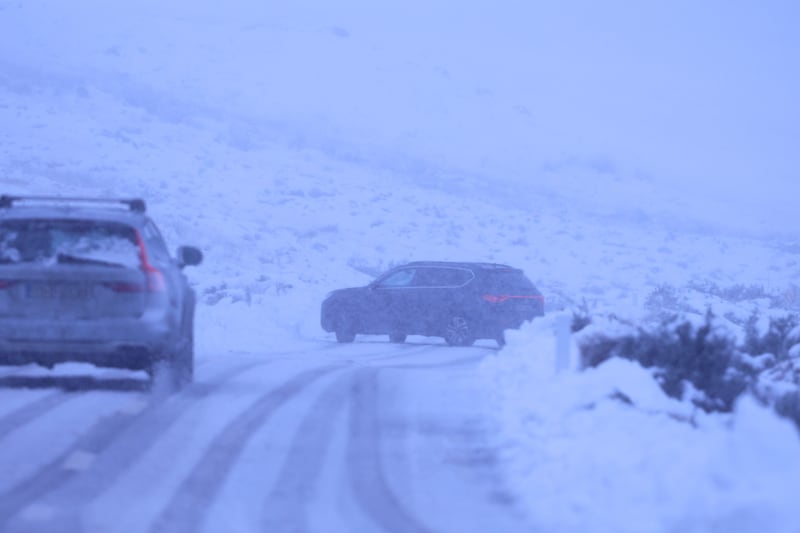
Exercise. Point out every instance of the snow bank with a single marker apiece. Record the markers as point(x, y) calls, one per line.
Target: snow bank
point(606, 450)
point(261, 323)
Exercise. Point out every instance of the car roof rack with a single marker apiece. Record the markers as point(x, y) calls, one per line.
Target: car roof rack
point(136, 205)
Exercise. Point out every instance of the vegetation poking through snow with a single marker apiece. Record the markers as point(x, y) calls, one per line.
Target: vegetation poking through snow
point(665, 302)
point(780, 336)
point(702, 361)
point(682, 354)
point(736, 293)
point(581, 317)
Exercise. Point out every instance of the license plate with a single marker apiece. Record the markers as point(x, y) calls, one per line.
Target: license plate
point(58, 291)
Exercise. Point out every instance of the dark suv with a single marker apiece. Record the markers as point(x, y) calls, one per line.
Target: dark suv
point(92, 281)
point(461, 302)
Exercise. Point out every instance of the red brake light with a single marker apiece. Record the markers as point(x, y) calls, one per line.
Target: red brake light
point(499, 298)
point(5, 283)
point(154, 278)
point(125, 287)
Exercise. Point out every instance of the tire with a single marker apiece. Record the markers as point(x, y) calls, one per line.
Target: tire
point(458, 331)
point(183, 364)
point(175, 370)
point(397, 338)
point(345, 329)
point(501, 339)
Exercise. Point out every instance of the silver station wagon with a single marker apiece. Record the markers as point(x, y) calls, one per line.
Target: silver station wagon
point(92, 280)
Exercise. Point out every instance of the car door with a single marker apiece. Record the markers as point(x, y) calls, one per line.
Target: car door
point(440, 295)
point(387, 301)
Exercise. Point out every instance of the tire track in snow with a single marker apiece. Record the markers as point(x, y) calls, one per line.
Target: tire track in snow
point(446, 364)
point(192, 500)
point(364, 453)
point(188, 508)
point(285, 508)
point(71, 388)
point(399, 351)
point(91, 465)
point(32, 410)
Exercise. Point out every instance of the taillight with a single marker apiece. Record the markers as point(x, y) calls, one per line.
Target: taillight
point(154, 282)
point(6, 283)
point(124, 287)
point(499, 298)
point(154, 279)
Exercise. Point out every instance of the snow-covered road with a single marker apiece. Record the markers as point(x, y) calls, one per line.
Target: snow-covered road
point(324, 437)
point(310, 146)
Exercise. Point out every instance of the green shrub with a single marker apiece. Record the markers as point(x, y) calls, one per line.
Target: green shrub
point(581, 317)
point(665, 302)
point(788, 405)
point(777, 340)
point(680, 352)
point(704, 355)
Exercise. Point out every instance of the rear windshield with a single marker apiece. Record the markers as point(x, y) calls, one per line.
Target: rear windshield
point(508, 280)
point(80, 242)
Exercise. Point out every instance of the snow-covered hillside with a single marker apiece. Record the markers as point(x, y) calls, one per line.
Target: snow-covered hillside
point(603, 108)
point(308, 147)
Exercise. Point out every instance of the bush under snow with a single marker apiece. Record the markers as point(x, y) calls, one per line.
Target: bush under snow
point(606, 449)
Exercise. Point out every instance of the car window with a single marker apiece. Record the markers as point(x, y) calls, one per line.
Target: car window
point(73, 241)
point(442, 277)
point(508, 280)
point(401, 278)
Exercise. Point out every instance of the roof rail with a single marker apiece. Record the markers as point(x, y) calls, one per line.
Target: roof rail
point(499, 266)
point(463, 263)
point(136, 205)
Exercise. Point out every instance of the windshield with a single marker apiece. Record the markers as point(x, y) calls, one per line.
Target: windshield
point(68, 241)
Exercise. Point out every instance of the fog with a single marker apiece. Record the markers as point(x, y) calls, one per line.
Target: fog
point(679, 112)
point(636, 160)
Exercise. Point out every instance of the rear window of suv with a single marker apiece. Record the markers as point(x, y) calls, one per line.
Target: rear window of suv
point(68, 241)
point(508, 280)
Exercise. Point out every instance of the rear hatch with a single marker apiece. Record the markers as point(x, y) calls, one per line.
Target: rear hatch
point(70, 270)
point(511, 293)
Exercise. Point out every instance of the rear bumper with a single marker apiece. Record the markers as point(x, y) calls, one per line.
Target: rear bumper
point(135, 358)
point(116, 343)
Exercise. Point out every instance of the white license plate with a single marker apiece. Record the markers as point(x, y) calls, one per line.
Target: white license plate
point(58, 291)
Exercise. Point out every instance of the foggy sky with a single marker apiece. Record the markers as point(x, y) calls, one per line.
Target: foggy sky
point(693, 103)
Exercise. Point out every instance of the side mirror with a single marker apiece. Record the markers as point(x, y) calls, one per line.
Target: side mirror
point(189, 256)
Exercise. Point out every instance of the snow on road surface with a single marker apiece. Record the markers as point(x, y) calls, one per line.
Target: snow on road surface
point(367, 437)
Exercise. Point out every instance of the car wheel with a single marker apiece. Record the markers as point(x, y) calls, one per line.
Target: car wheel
point(176, 369)
point(501, 339)
point(345, 329)
point(458, 331)
point(397, 338)
point(183, 364)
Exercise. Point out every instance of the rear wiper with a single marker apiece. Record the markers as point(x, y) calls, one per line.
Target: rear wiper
point(76, 260)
